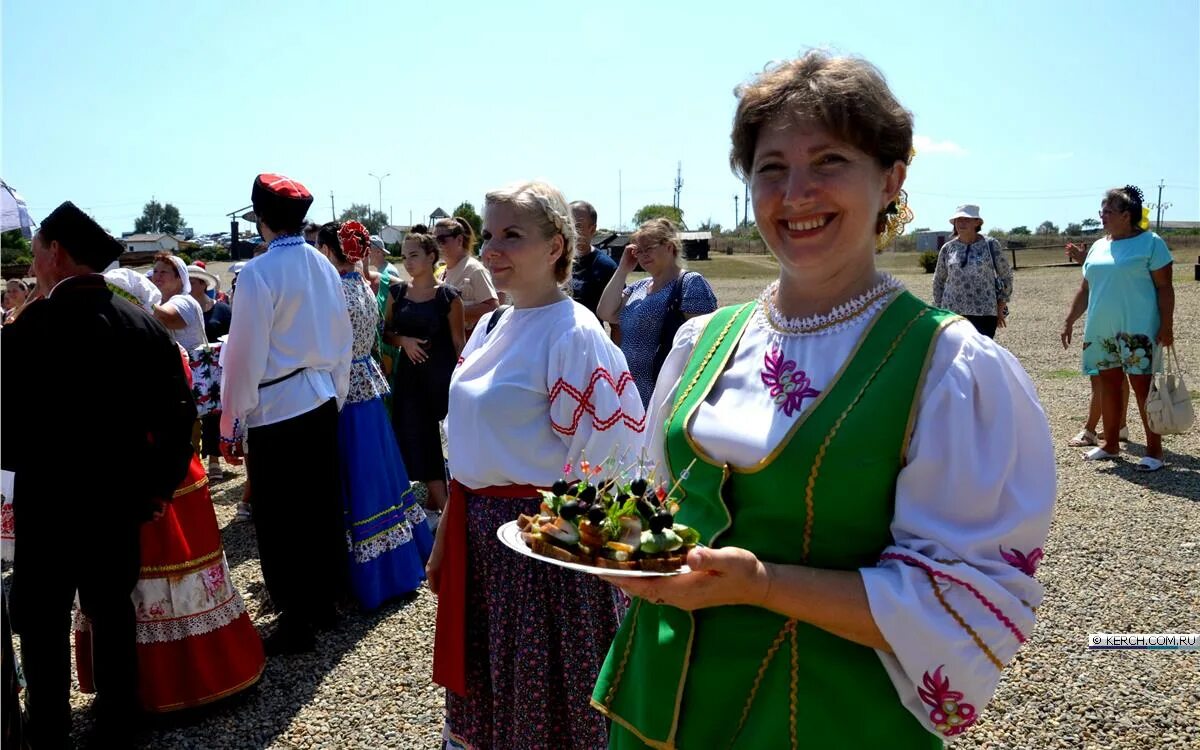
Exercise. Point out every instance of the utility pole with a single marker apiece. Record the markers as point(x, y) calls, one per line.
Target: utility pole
point(620, 202)
point(746, 206)
point(380, 179)
point(678, 182)
point(332, 210)
point(1160, 207)
point(735, 208)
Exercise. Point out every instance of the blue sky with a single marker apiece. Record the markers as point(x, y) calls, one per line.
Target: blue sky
point(1030, 109)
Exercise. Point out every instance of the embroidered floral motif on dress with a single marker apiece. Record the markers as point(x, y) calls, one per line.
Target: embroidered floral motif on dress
point(789, 386)
point(1027, 564)
point(585, 400)
point(366, 550)
point(163, 631)
point(950, 715)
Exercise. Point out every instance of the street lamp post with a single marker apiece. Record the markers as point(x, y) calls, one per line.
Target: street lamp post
point(381, 179)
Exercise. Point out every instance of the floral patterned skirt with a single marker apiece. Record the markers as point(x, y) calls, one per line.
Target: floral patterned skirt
point(195, 641)
point(1132, 352)
point(536, 637)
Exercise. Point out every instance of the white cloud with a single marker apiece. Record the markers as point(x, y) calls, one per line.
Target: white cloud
point(926, 145)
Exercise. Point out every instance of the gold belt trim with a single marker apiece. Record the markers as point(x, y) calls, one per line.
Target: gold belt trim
point(180, 568)
point(191, 487)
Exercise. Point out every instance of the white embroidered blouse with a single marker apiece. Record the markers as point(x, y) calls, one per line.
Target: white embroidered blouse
point(973, 502)
point(543, 388)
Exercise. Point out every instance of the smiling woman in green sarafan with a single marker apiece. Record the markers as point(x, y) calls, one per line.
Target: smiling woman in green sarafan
point(873, 478)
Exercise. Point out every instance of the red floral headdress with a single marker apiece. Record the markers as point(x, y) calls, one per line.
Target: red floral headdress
point(355, 240)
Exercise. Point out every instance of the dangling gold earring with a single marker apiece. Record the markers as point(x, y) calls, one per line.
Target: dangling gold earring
point(891, 221)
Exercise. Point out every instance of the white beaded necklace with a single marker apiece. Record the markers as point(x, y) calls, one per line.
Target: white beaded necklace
point(839, 315)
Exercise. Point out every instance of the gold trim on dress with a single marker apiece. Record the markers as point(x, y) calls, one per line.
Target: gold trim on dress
point(384, 512)
point(191, 487)
point(912, 411)
point(149, 571)
point(788, 627)
point(937, 592)
point(610, 714)
point(612, 689)
point(210, 699)
point(682, 397)
point(837, 425)
point(683, 673)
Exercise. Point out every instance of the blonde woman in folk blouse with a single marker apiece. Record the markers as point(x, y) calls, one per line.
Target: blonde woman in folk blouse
point(543, 388)
point(973, 278)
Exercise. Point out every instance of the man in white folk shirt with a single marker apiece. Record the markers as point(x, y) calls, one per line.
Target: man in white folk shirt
point(286, 374)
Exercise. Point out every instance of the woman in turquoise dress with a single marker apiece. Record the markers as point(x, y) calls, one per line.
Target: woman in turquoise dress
point(848, 595)
point(1130, 303)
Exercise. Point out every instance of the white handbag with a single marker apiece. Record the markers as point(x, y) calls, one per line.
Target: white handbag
point(1169, 409)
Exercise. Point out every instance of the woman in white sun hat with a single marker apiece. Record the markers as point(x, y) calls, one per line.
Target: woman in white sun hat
point(973, 278)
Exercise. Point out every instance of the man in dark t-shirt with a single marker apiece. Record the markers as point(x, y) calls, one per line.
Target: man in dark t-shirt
point(593, 267)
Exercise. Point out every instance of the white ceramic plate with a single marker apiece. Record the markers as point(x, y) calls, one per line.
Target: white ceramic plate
point(510, 536)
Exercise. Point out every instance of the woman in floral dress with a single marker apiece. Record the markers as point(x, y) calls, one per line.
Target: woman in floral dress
point(385, 526)
point(1130, 304)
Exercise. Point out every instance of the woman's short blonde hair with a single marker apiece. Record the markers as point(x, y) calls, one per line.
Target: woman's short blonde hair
point(847, 96)
point(660, 230)
point(549, 210)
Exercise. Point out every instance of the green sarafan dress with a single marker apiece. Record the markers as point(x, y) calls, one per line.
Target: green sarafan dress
point(746, 677)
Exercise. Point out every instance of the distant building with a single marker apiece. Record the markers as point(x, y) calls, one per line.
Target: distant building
point(438, 213)
point(394, 234)
point(695, 244)
point(932, 239)
point(153, 242)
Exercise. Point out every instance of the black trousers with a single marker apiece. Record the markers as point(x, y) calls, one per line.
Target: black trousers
point(985, 324)
point(54, 560)
point(298, 514)
point(210, 435)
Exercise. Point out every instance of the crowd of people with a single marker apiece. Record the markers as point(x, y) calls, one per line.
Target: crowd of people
point(844, 593)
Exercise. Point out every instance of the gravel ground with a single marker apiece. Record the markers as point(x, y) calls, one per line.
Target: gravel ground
point(1123, 556)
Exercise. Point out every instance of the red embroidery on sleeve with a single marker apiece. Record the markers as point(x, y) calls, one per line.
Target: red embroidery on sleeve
point(584, 403)
point(950, 715)
point(1003, 618)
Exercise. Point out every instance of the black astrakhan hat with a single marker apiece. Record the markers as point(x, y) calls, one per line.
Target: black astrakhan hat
point(280, 201)
point(84, 240)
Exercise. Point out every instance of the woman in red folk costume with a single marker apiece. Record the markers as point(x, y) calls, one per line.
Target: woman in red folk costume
point(539, 385)
point(195, 641)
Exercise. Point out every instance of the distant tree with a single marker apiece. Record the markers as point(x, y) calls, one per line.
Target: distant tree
point(919, 230)
point(1047, 227)
point(710, 226)
point(659, 211)
point(373, 220)
point(1073, 229)
point(1024, 230)
point(467, 211)
point(158, 217)
point(1090, 223)
point(16, 249)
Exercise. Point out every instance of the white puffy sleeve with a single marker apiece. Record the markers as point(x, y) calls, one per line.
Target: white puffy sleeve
point(594, 405)
point(955, 594)
point(668, 383)
point(244, 355)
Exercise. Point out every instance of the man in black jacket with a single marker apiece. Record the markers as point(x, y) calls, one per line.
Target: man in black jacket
point(86, 375)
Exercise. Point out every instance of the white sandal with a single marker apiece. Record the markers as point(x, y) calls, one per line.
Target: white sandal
point(1099, 454)
point(1149, 463)
point(1084, 439)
